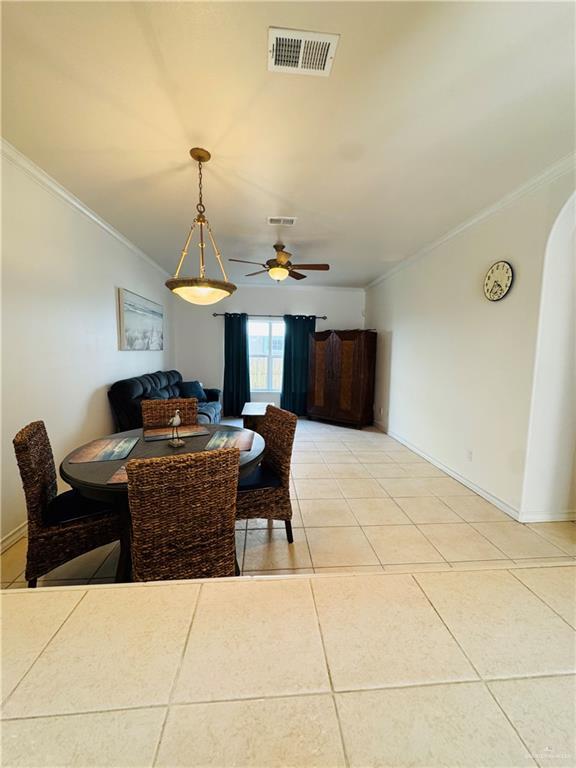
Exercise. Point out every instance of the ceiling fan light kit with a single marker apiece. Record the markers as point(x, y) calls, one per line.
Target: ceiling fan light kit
point(281, 267)
point(200, 290)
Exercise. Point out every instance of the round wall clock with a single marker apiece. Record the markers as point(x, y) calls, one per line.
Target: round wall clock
point(498, 280)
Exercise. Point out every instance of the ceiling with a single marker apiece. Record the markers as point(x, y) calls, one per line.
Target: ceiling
point(432, 112)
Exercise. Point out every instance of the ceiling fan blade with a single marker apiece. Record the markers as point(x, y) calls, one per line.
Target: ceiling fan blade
point(243, 261)
point(260, 271)
point(296, 275)
point(322, 267)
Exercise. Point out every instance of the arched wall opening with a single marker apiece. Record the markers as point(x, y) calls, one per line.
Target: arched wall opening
point(549, 488)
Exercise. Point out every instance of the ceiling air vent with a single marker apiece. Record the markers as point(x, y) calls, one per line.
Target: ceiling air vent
point(302, 53)
point(282, 221)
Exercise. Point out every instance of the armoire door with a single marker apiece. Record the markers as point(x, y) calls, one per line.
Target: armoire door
point(320, 376)
point(347, 364)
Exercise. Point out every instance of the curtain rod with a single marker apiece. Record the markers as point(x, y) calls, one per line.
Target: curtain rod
point(222, 314)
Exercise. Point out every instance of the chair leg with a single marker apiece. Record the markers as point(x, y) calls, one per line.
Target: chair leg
point(288, 525)
point(236, 567)
point(32, 583)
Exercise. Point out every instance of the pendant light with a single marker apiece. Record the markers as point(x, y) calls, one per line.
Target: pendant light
point(201, 289)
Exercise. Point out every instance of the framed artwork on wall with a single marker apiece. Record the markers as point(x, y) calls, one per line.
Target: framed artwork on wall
point(140, 323)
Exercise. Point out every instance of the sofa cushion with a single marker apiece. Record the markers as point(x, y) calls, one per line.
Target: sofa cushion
point(212, 410)
point(157, 394)
point(192, 389)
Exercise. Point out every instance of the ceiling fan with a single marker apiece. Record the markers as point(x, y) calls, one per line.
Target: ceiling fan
point(281, 267)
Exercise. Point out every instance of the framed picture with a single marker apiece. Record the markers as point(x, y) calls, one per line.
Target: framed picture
point(141, 323)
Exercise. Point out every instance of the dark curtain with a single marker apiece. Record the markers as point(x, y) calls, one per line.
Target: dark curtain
point(296, 349)
point(236, 364)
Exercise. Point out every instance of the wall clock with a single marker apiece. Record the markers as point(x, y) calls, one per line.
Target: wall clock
point(498, 280)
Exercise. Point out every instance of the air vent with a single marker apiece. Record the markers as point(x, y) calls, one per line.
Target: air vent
point(301, 53)
point(281, 221)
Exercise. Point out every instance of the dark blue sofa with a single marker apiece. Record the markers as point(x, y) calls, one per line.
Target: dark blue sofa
point(125, 397)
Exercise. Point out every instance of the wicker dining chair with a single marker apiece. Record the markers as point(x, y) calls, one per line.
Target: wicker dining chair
point(157, 413)
point(183, 515)
point(60, 526)
point(265, 493)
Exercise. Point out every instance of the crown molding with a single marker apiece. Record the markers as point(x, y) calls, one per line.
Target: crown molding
point(10, 153)
point(555, 171)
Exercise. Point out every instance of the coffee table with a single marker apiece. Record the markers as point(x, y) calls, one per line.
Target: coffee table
point(252, 415)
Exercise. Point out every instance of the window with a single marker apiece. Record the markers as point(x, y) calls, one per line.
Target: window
point(266, 350)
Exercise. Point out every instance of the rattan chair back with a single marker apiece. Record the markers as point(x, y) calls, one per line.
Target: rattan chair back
point(36, 464)
point(157, 413)
point(183, 512)
point(278, 430)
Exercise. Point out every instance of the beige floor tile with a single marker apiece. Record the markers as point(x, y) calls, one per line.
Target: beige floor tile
point(250, 638)
point(361, 489)
point(422, 469)
point(296, 731)
point(431, 727)
point(474, 509)
point(447, 486)
point(257, 522)
point(417, 567)
point(348, 471)
point(241, 525)
point(556, 586)
point(380, 471)
point(543, 562)
point(516, 540)
point(318, 513)
point(28, 623)
point(543, 711)
point(427, 509)
point(109, 566)
point(378, 512)
point(563, 535)
point(317, 489)
point(280, 572)
point(120, 648)
point(339, 546)
point(121, 738)
point(339, 457)
point(481, 565)
point(330, 446)
point(404, 456)
point(351, 569)
point(381, 631)
point(401, 544)
point(373, 457)
point(300, 471)
point(402, 487)
point(13, 561)
point(505, 630)
point(459, 541)
point(306, 457)
point(83, 567)
point(268, 549)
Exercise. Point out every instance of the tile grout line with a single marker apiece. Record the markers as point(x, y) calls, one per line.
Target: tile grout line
point(528, 526)
point(516, 731)
point(43, 649)
point(541, 599)
point(329, 672)
point(301, 694)
point(177, 674)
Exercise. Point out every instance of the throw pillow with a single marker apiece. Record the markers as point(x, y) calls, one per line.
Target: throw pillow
point(192, 389)
point(157, 394)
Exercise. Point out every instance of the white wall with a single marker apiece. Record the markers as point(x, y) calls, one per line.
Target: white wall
point(59, 322)
point(200, 337)
point(549, 484)
point(454, 371)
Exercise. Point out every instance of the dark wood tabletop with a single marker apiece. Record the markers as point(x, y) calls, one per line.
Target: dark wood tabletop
point(91, 478)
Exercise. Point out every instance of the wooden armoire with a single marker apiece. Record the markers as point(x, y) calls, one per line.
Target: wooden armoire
point(341, 378)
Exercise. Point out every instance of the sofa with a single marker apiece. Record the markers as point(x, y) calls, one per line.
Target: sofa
point(125, 397)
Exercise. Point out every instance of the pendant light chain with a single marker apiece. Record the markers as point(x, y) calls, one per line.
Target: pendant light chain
point(201, 289)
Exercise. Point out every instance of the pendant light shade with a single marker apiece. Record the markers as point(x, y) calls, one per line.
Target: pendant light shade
point(200, 290)
point(278, 273)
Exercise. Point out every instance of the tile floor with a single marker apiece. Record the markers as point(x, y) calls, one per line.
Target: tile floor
point(361, 500)
point(444, 668)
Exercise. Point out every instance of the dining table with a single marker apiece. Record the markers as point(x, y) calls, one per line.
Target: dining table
point(92, 478)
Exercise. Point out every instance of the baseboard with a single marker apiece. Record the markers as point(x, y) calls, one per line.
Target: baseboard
point(504, 506)
point(15, 535)
point(564, 516)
